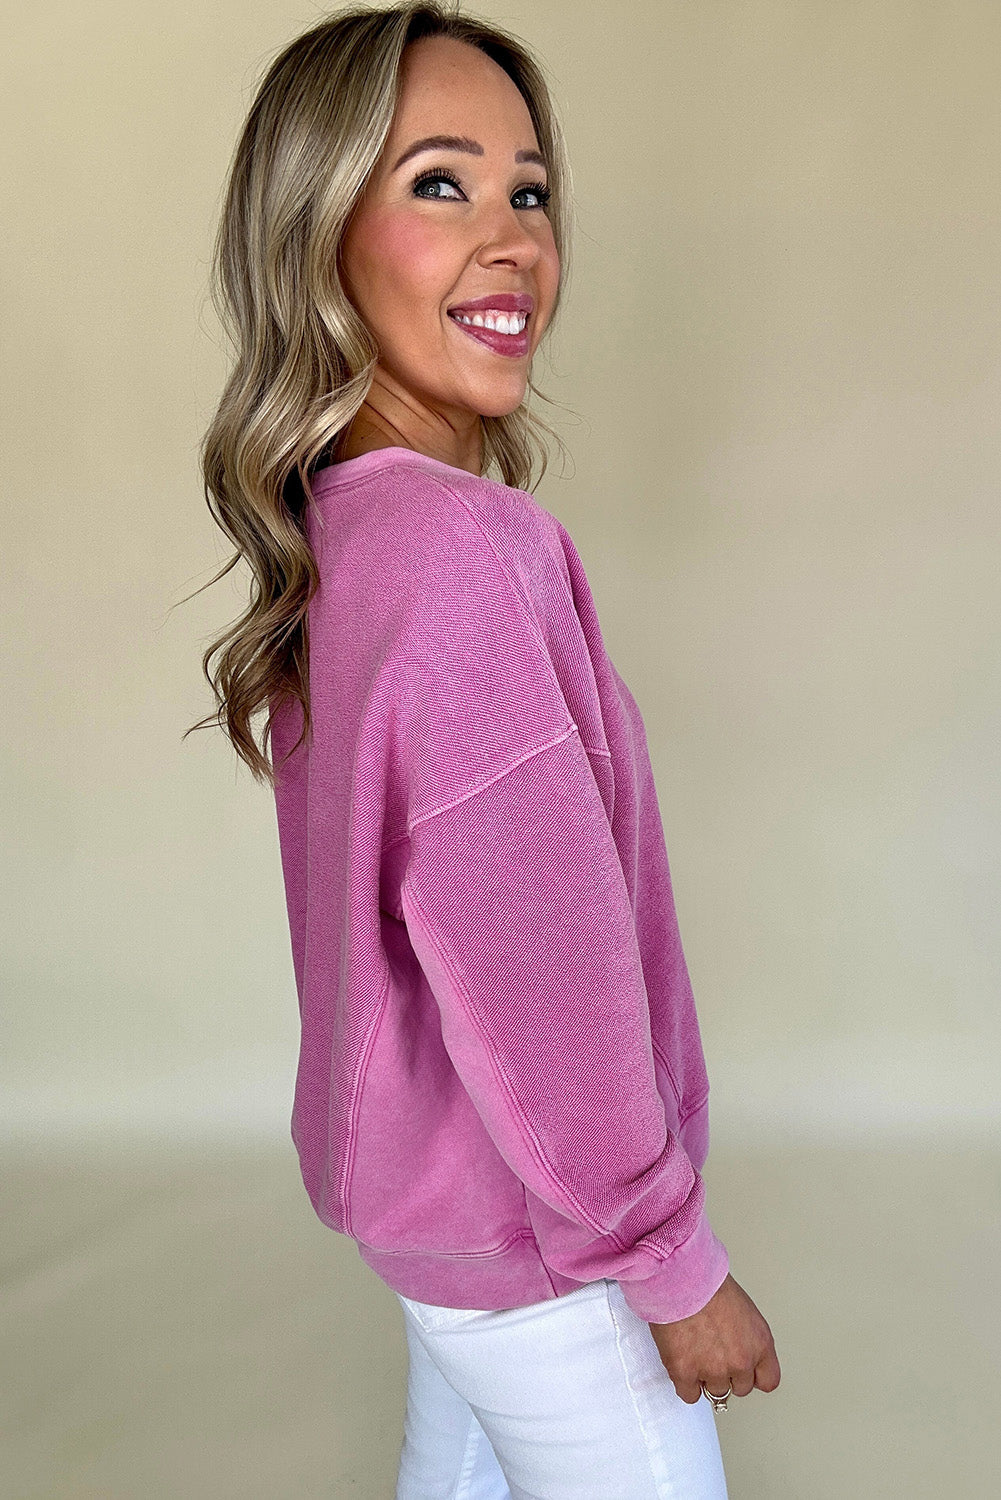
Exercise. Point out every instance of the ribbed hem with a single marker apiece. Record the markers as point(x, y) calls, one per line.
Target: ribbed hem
point(684, 1283)
point(512, 1275)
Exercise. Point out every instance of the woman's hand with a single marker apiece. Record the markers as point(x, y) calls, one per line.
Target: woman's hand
point(727, 1342)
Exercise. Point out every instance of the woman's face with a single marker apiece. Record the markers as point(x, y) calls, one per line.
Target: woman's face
point(420, 243)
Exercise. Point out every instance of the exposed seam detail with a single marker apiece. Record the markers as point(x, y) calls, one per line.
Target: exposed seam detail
point(501, 1249)
point(661, 1256)
point(665, 1062)
point(355, 1102)
point(505, 1082)
point(686, 1114)
point(499, 776)
point(401, 838)
point(442, 484)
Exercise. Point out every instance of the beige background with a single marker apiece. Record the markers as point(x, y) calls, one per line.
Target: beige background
point(780, 353)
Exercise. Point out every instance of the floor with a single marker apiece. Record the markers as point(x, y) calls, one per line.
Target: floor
point(178, 1323)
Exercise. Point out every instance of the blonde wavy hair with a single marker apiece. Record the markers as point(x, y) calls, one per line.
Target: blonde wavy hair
point(304, 359)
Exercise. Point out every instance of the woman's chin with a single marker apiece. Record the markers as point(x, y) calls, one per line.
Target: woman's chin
point(501, 403)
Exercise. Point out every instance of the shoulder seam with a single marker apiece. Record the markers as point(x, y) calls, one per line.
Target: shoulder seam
point(401, 838)
point(474, 791)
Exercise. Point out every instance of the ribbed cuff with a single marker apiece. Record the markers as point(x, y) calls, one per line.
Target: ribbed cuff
point(684, 1282)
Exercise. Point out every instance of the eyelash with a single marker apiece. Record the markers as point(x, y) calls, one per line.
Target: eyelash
point(543, 193)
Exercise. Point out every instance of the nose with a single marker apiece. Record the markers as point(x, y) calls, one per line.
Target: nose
point(507, 238)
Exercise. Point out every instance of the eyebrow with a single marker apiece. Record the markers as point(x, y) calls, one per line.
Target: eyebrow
point(459, 143)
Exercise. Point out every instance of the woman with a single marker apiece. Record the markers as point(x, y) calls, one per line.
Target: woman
point(501, 1092)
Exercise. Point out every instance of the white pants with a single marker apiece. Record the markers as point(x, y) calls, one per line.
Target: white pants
point(565, 1400)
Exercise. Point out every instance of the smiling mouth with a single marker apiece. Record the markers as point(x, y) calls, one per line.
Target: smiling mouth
point(500, 340)
point(500, 322)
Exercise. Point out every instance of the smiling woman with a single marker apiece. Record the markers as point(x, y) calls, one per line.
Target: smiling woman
point(394, 165)
point(481, 244)
point(501, 1093)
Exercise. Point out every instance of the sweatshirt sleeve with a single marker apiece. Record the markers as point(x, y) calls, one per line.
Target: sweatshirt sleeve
point(517, 909)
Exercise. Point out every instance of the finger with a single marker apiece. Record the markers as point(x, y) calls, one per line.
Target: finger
point(742, 1382)
point(767, 1373)
point(718, 1385)
point(688, 1390)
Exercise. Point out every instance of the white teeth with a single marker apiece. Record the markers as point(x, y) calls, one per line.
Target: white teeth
point(498, 321)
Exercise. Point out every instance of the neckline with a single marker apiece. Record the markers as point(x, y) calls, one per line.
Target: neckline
point(348, 469)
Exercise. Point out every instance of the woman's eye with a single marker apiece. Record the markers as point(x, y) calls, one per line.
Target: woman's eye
point(427, 177)
point(539, 190)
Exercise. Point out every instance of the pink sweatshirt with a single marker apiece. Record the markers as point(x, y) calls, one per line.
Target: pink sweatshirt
point(501, 1090)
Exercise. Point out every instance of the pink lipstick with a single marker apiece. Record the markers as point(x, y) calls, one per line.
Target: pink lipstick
point(514, 345)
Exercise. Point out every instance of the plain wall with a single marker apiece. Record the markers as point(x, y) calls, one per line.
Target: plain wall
point(780, 356)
